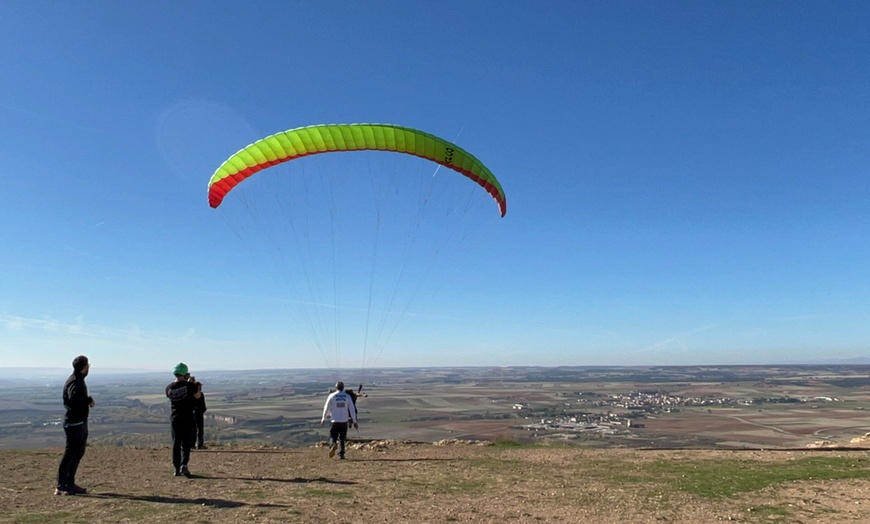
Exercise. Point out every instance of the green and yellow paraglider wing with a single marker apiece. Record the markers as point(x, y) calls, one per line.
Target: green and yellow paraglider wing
point(326, 138)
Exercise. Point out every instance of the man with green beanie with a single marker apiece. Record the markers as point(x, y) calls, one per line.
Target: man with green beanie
point(182, 395)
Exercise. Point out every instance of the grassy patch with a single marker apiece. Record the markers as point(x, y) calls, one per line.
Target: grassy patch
point(770, 513)
point(252, 493)
point(467, 487)
point(504, 443)
point(509, 443)
point(140, 512)
point(448, 486)
point(725, 478)
point(326, 493)
point(59, 517)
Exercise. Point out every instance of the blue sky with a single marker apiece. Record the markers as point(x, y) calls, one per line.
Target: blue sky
point(687, 182)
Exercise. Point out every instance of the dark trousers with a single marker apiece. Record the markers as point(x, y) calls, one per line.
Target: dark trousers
point(182, 440)
point(200, 425)
point(76, 442)
point(338, 433)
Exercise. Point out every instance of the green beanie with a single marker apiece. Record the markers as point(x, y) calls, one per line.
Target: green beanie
point(180, 369)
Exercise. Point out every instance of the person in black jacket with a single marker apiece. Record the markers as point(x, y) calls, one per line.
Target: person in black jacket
point(75, 424)
point(199, 415)
point(354, 396)
point(182, 394)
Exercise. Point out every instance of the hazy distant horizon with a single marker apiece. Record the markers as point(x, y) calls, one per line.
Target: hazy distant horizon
point(97, 371)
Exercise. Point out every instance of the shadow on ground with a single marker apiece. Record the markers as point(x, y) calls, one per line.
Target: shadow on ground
point(216, 503)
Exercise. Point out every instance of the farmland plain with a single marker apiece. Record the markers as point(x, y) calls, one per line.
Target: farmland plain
point(710, 407)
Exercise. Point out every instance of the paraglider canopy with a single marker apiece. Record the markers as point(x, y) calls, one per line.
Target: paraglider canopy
point(324, 138)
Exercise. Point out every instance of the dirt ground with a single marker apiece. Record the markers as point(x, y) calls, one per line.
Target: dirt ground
point(388, 482)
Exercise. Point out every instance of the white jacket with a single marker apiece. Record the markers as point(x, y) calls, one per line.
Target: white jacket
point(340, 407)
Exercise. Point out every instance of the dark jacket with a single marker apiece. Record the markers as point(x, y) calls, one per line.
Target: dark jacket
point(200, 405)
point(182, 402)
point(76, 399)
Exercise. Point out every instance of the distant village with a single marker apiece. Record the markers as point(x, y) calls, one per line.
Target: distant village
point(616, 413)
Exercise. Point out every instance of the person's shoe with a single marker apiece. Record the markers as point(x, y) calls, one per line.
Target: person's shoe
point(341, 457)
point(332, 449)
point(177, 473)
point(202, 446)
point(185, 471)
point(78, 489)
point(64, 491)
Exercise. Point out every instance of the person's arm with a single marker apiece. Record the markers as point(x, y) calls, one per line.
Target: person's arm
point(326, 409)
point(78, 396)
point(197, 387)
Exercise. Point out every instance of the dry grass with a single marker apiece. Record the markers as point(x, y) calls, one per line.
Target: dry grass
point(406, 482)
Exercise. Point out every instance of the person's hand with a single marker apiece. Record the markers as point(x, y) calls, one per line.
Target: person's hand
point(321, 423)
point(92, 403)
point(355, 425)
